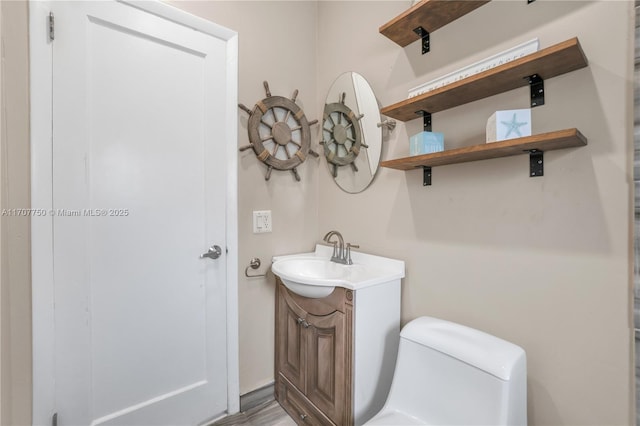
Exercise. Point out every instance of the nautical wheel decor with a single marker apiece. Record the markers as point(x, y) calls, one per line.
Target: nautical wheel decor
point(341, 134)
point(279, 133)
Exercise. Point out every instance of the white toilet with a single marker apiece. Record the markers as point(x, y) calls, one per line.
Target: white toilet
point(449, 374)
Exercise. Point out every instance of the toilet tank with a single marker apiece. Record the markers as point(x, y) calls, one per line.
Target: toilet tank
point(449, 374)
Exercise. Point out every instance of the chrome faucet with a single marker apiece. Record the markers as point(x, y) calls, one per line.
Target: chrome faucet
point(340, 254)
point(338, 246)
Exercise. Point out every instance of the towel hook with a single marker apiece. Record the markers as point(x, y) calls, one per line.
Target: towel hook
point(254, 263)
point(388, 123)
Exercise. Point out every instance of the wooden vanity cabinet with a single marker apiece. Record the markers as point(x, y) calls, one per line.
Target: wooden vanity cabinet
point(335, 356)
point(313, 356)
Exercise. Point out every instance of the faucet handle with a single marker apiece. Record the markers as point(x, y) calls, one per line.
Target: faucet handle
point(349, 245)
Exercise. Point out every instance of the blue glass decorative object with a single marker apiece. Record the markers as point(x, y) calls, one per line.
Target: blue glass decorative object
point(426, 143)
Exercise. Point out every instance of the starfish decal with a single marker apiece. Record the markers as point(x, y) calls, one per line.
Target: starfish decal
point(513, 126)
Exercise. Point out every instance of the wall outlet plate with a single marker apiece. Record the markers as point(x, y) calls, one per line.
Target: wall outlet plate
point(262, 221)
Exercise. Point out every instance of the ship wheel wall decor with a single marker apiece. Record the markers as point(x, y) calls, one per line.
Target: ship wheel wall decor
point(341, 134)
point(279, 133)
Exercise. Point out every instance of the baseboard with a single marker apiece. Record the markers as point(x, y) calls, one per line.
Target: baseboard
point(257, 397)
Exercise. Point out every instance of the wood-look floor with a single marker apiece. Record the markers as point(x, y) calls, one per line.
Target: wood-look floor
point(268, 414)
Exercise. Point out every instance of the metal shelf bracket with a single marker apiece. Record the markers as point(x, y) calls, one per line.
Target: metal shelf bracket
point(536, 84)
point(536, 163)
point(426, 120)
point(426, 176)
point(424, 35)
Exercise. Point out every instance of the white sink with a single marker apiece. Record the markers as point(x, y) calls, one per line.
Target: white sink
point(314, 275)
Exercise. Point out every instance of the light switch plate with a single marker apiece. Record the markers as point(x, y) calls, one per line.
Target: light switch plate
point(262, 221)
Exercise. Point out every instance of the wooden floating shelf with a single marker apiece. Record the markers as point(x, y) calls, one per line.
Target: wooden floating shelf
point(560, 139)
point(428, 14)
point(547, 63)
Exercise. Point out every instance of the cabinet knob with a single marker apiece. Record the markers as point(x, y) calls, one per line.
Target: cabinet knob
point(303, 417)
point(303, 322)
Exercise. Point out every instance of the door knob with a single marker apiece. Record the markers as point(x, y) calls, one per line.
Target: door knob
point(214, 252)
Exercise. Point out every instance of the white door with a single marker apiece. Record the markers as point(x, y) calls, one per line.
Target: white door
point(139, 193)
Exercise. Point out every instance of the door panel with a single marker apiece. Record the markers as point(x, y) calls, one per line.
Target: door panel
point(139, 191)
point(291, 356)
point(326, 375)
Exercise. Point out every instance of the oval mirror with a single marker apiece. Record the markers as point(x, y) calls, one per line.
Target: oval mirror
point(351, 136)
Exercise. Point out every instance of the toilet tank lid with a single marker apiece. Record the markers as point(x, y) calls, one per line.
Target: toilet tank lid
point(474, 347)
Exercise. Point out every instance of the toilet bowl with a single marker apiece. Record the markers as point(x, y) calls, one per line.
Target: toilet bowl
point(449, 374)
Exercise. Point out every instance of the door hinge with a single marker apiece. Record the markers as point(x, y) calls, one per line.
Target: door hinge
point(52, 33)
point(54, 419)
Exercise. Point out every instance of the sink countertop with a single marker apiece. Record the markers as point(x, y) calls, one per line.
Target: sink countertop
point(367, 269)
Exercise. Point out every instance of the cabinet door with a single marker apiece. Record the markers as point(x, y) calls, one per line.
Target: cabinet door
point(290, 338)
point(326, 365)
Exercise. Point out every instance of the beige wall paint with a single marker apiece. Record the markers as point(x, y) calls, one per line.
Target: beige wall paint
point(15, 288)
point(542, 262)
point(3, 249)
point(277, 43)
